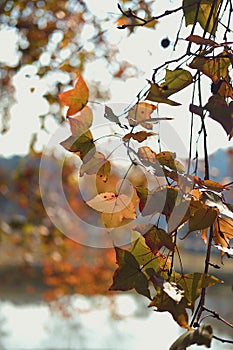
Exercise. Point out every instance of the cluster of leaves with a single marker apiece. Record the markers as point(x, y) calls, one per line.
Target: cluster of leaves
point(185, 199)
point(180, 201)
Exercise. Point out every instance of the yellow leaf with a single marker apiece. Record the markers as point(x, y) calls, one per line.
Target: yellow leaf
point(206, 14)
point(214, 68)
point(139, 113)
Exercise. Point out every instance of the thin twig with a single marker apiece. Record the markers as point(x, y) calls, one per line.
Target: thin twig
point(216, 315)
point(223, 340)
point(131, 14)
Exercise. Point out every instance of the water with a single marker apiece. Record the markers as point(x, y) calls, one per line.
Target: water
point(100, 323)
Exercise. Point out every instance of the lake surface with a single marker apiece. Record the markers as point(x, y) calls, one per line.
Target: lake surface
point(102, 323)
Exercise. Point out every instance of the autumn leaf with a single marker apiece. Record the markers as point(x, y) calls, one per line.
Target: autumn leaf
point(214, 68)
point(145, 257)
point(109, 202)
point(221, 112)
point(204, 11)
point(167, 159)
point(93, 164)
point(163, 302)
point(156, 238)
point(201, 216)
point(109, 114)
point(125, 214)
point(193, 283)
point(139, 136)
point(104, 171)
point(175, 81)
point(155, 94)
point(82, 145)
point(200, 336)
point(128, 275)
point(196, 39)
point(223, 88)
point(75, 98)
point(223, 232)
point(140, 113)
point(81, 122)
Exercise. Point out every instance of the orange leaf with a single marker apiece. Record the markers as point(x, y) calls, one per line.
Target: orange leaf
point(138, 136)
point(75, 98)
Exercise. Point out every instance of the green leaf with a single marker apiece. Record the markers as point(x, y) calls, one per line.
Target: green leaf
point(128, 275)
point(204, 9)
point(82, 145)
point(143, 254)
point(155, 94)
point(192, 284)
point(175, 80)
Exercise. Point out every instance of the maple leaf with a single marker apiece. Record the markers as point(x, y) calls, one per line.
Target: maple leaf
point(128, 275)
point(75, 98)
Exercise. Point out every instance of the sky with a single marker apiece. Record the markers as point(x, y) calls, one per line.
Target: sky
point(142, 49)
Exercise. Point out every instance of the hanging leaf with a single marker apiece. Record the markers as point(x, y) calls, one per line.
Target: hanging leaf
point(118, 211)
point(82, 146)
point(75, 98)
point(167, 159)
point(201, 216)
point(109, 114)
point(223, 232)
point(145, 257)
point(163, 302)
point(139, 136)
point(81, 122)
point(156, 94)
point(104, 171)
point(142, 193)
point(223, 88)
point(156, 238)
point(93, 165)
point(193, 283)
point(204, 11)
point(128, 275)
point(215, 68)
point(175, 81)
point(196, 39)
point(221, 112)
point(140, 113)
point(109, 202)
point(200, 336)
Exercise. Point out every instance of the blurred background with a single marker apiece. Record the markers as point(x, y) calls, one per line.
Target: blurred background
point(54, 291)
